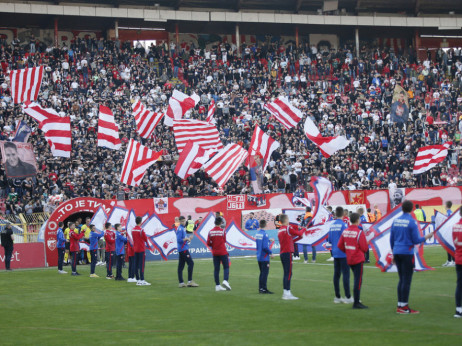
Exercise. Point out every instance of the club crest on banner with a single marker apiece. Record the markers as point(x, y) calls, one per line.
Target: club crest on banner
point(356, 197)
point(161, 205)
point(51, 243)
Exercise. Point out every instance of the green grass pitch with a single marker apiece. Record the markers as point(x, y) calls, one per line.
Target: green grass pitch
point(41, 307)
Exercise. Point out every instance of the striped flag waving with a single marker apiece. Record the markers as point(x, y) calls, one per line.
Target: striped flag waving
point(225, 162)
point(429, 156)
point(192, 158)
point(288, 115)
point(262, 144)
point(138, 159)
point(25, 84)
point(108, 130)
point(328, 145)
point(146, 121)
point(57, 129)
point(202, 133)
point(178, 104)
point(211, 112)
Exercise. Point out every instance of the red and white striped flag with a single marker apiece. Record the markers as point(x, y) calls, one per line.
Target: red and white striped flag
point(211, 112)
point(429, 156)
point(138, 159)
point(262, 144)
point(178, 105)
point(108, 130)
point(146, 121)
point(288, 115)
point(57, 129)
point(199, 132)
point(225, 162)
point(191, 159)
point(25, 84)
point(328, 145)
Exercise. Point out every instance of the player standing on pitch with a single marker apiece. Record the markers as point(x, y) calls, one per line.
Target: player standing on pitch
point(217, 241)
point(183, 254)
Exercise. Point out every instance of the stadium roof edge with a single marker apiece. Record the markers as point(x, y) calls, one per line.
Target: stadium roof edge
point(163, 15)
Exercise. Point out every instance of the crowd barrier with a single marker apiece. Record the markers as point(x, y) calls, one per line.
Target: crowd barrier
point(26, 228)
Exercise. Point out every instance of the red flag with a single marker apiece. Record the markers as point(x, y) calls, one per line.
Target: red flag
point(108, 130)
point(178, 105)
point(191, 159)
point(202, 133)
point(146, 121)
point(288, 115)
point(429, 156)
point(25, 84)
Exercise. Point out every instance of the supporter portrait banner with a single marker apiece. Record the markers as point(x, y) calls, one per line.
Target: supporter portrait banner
point(400, 105)
point(18, 159)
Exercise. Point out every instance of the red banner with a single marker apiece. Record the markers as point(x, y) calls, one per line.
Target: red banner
point(30, 255)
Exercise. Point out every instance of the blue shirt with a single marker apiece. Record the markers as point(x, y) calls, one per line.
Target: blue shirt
point(335, 231)
point(263, 249)
point(180, 235)
point(448, 212)
point(404, 235)
point(251, 224)
point(60, 240)
point(94, 237)
point(120, 243)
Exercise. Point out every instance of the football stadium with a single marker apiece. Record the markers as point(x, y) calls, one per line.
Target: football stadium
point(233, 172)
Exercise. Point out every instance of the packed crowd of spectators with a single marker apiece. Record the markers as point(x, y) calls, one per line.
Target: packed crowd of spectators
point(343, 94)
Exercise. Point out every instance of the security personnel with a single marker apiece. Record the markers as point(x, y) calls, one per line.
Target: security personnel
point(7, 243)
point(95, 236)
point(306, 223)
point(370, 215)
point(190, 225)
point(61, 246)
point(67, 247)
point(120, 242)
point(404, 236)
point(377, 213)
point(419, 214)
point(263, 258)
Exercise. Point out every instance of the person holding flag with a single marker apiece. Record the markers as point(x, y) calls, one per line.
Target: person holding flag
point(263, 257)
point(354, 244)
point(74, 237)
point(131, 260)
point(61, 246)
point(287, 236)
point(457, 238)
point(94, 239)
point(120, 242)
point(404, 236)
point(184, 257)
point(216, 240)
point(139, 245)
point(340, 259)
point(109, 237)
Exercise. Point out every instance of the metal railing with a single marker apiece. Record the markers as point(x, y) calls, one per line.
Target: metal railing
point(26, 228)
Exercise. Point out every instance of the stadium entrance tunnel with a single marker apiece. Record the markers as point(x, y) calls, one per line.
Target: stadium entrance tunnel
point(73, 218)
point(69, 211)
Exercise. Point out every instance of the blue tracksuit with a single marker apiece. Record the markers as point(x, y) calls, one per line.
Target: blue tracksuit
point(252, 224)
point(404, 235)
point(335, 232)
point(180, 235)
point(94, 237)
point(263, 250)
point(61, 241)
point(120, 244)
point(263, 258)
point(61, 245)
point(120, 253)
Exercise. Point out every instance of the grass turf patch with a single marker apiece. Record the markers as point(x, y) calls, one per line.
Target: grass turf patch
point(43, 307)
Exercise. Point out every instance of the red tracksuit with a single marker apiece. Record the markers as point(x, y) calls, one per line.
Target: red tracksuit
point(74, 238)
point(287, 235)
point(139, 239)
point(109, 237)
point(217, 241)
point(353, 242)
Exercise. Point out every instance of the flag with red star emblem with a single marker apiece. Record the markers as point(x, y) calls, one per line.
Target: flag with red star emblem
point(356, 197)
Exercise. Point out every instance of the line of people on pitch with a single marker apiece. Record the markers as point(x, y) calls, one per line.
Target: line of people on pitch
point(115, 239)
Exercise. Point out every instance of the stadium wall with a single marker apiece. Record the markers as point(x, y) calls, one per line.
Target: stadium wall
point(232, 206)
